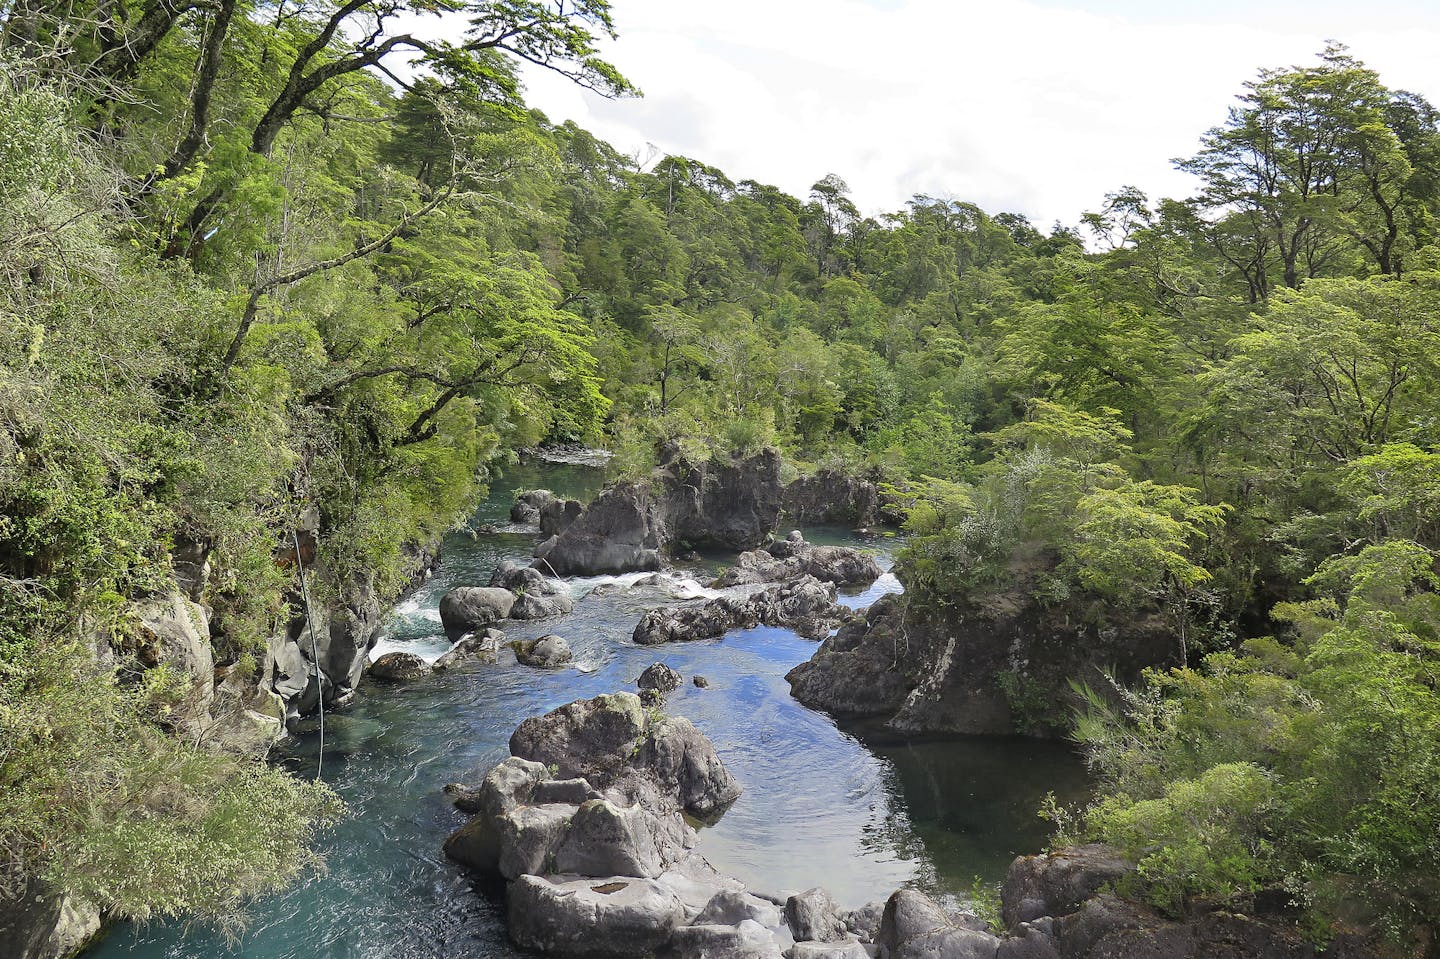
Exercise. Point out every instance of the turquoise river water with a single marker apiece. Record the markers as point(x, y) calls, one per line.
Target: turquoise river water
point(822, 805)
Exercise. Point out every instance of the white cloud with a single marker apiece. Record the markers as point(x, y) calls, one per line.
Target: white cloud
point(1036, 106)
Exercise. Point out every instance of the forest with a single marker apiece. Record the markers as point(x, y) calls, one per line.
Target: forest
point(262, 258)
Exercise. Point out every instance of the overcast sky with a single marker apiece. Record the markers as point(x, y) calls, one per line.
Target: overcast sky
point(1033, 106)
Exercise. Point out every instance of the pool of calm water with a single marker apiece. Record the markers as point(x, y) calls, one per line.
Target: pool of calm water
point(822, 806)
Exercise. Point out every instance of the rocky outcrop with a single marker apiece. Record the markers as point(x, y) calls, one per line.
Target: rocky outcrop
point(586, 822)
point(726, 504)
point(1058, 883)
point(615, 744)
point(835, 497)
point(174, 631)
point(806, 605)
point(994, 667)
point(557, 515)
point(793, 558)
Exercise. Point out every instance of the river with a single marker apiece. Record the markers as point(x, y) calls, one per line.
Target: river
point(822, 806)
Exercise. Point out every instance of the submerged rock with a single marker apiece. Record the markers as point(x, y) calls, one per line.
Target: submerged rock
point(806, 605)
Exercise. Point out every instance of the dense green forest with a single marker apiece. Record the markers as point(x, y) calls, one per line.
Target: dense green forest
point(259, 257)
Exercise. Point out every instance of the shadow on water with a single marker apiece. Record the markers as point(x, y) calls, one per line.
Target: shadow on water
point(851, 809)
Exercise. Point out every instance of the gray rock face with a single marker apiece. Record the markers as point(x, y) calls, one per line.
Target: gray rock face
point(730, 907)
point(471, 607)
point(793, 558)
point(731, 504)
point(806, 605)
point(1058, 883)
point(527, 837)
point(35, 923)
point(399, 667)
point(518, 578)
point(661, 677)
point(830, 496)
point(547, 652)
point(914, 927)
point(592, 919)
point(607, 840)
point(812, 914)
point(864, 923)
point(679, 757)
point(175, 631)
point(482, 648)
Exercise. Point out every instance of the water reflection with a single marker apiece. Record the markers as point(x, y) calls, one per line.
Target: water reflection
point(853, 810)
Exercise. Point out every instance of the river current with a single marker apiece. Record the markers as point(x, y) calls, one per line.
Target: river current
point(859, 813)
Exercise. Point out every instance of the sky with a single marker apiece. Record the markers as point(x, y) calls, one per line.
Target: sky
point(1038, 107)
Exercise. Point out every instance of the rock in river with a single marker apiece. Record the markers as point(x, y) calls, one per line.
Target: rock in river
point(547, 652)
point(806, 605)
point(470, 607)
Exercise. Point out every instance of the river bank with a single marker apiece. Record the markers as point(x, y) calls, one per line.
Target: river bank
point(865, 815)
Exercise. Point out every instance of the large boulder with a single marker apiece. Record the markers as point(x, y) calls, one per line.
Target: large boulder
point(547, 652)
point(806, 605)
point(915, 927)
point(827, 950)
point(468, 608)
point(399, 667)
point(1057, 883)
point(659, 677)
point(481, 648)
point(792, 558)
point(540, 606)
point(812, 914)
point(617, 918)
point(528, 505)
